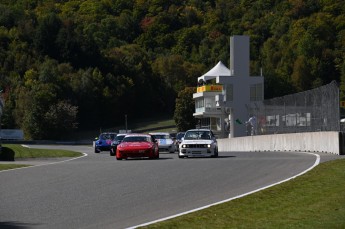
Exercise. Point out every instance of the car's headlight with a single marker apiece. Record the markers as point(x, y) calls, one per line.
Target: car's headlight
point(208, 146)
point(183, 146)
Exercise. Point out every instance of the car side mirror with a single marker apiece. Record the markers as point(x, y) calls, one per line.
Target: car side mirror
point(182, 138)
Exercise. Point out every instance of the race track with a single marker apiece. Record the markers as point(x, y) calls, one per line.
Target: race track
point(97, 191)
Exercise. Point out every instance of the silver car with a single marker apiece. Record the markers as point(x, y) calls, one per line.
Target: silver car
point(165, 143)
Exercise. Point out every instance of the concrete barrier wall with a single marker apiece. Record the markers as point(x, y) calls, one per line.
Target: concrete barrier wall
point(12, 134)
point(327, 142)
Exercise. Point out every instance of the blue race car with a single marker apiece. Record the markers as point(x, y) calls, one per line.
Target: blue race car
point(103, 142)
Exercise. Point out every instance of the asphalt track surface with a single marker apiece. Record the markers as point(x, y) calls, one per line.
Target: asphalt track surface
point(97, 191)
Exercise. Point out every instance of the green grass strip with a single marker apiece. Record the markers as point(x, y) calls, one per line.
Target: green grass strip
point(313, 200)
point(11, 166)
point(20, 152)
point(25, 152)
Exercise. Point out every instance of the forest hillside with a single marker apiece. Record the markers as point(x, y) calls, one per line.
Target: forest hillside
point(86, 63)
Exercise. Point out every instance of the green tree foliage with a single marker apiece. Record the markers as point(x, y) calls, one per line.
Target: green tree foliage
point(107, 58)
point(185, 108)
point(46, 35)
point(175, 72)
point(60, 119)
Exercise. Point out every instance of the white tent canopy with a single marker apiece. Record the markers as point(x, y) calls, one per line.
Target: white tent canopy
point(219, 70)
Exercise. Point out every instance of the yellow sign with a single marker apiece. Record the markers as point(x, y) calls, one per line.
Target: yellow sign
point(212, 88)
point(342, 103)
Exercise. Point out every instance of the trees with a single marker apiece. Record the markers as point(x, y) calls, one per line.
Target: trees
point(46, 35)
point(30, 100)
point(60, 120)
point(97, 56)
point(184, 109)
point(314, 62)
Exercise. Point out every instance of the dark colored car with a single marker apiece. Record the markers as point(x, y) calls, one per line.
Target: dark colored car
point(118, 139)
point(103, 142)
point(173, 136)
point(178, 140)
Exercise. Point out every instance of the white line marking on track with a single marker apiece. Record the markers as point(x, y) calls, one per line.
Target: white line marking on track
point(317, 161)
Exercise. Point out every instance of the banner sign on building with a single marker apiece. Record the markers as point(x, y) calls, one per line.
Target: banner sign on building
point(212, 88)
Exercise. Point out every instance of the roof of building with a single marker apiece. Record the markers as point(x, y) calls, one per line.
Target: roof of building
point(219, 70)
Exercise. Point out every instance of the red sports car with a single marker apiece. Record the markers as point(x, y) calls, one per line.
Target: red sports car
point(137, 145)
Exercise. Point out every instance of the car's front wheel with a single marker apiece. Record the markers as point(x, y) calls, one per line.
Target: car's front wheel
point(215, 152)
point(112, 153)
point(97, 150)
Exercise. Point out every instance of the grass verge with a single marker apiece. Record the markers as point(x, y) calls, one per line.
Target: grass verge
point(11, 166)
point(25, 152)
point(313, 200)
point(20, 152)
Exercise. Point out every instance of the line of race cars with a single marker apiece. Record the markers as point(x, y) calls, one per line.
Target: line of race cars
point(192, 143)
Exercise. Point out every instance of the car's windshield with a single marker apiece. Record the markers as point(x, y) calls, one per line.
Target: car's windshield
point(120, 137)
point(107, 136)
point(136, 139)
point(161, 136)
point(191, 135)
point(179, 136)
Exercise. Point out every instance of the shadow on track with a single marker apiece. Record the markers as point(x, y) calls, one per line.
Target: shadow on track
point(147, 159)
point(213, 158)
point(16, 225)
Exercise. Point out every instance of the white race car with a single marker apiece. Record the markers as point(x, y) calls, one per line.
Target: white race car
point(198, 143)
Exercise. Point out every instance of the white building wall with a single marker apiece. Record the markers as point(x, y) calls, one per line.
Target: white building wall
point(241, 82)
point(239, 55)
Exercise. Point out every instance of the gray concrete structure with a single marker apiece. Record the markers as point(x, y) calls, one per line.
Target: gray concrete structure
point(246, 88)
point(239, 89)
point(325, 142)
point(1, 108)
